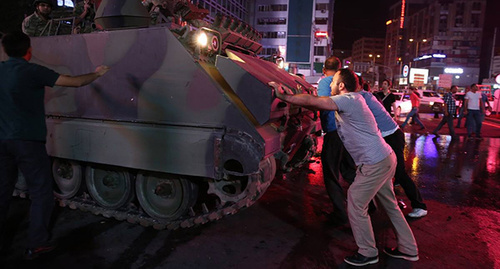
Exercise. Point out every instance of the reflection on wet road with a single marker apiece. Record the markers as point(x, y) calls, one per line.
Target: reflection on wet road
point(453, 170)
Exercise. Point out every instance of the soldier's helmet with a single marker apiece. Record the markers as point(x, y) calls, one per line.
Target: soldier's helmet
point(49, 2)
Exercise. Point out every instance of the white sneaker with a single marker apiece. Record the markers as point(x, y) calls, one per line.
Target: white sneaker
point(418, 213)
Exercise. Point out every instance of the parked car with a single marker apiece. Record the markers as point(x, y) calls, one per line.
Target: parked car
point(403, 103)
point(430, 102)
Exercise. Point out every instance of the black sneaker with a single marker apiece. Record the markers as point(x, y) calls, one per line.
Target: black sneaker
point(395, 253)
point(33, 253)
point(360, 260)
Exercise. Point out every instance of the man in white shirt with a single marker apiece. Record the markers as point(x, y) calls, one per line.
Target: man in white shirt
point(474, 109)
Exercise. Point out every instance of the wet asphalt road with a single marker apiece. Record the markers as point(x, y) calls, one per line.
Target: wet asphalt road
point(288, 228)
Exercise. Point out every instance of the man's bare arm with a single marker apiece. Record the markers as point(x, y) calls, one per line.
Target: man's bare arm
point(304, 100)
point(81, 80)
point(395, 109)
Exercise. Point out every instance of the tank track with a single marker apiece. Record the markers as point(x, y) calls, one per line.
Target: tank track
point(133, 214)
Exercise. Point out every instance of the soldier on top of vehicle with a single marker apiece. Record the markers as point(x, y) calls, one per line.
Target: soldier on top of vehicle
point(84, 13)
point(36, 23)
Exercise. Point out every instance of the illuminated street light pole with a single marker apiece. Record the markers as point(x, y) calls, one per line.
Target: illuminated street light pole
point(373, 56)
point(417, 43)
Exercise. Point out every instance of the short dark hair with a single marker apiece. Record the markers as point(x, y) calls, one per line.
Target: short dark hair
point(453, 86)
point(361, 81)
point(349, 78)
point(413, 88)
point(388, 82)
point(332, 63)
point(16, 44)
point(366, 87)
point(473, 85)
point(48, 2)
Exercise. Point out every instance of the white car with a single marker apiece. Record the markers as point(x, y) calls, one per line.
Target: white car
point(403, 103)
point(430, 102)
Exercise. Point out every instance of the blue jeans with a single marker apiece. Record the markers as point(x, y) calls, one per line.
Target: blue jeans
point(414, 111)
point(32, 160)
point(474, 122)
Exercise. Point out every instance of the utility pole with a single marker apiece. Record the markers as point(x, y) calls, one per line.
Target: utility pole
point(493, 52)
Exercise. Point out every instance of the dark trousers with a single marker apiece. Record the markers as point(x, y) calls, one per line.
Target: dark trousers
point(397, 142)
point(474, 122)
point(32, 160)
point(335, 161)
point(461, 116)
point(446, 119)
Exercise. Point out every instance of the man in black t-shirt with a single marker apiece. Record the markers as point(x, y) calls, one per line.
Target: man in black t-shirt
point(387, 98)
point(23, 134)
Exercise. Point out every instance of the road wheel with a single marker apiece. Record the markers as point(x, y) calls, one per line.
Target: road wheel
point(68, 178)
point(165, 197)
point(110, 187)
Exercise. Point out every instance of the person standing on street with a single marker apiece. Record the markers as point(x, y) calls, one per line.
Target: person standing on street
point(23, 134)
point(387, 98)
point(376, 162)
point(474, 106)
point(335, 159)
point(415, 103)
point(461, 110)
point(450, 107)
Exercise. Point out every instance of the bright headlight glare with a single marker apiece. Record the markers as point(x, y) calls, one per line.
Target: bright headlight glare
point(280, 63)
point(431, 103)
point(202, 39)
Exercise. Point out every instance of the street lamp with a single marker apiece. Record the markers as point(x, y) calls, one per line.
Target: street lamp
point(417, 52)
point(374, 57)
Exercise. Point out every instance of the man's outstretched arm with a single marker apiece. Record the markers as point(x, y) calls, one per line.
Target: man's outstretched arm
point(81, 80)
point(304, 100)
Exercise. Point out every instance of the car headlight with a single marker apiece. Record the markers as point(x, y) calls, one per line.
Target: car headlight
point(431, 103)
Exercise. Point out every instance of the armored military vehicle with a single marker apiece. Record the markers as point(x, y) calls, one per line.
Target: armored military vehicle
point(182, 130)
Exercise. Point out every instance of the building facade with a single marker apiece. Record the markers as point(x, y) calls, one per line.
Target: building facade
point(443, 37)
point(239, 9)
point(368, 49)
point(368, 59)
point(304, 41)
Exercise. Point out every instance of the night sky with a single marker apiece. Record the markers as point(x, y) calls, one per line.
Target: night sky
point(355, 19)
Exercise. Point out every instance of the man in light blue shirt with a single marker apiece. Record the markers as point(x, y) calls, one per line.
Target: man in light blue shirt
point(394, 137)
point(334, 158)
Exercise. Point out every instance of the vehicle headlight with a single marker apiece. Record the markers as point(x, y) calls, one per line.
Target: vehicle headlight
point(431, 103)
point(202, 39)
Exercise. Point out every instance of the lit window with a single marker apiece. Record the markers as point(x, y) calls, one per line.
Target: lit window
point(65, 3)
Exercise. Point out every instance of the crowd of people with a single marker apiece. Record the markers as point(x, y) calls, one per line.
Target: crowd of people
point(472, 108)
point(368, 134)
point(364, 145)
